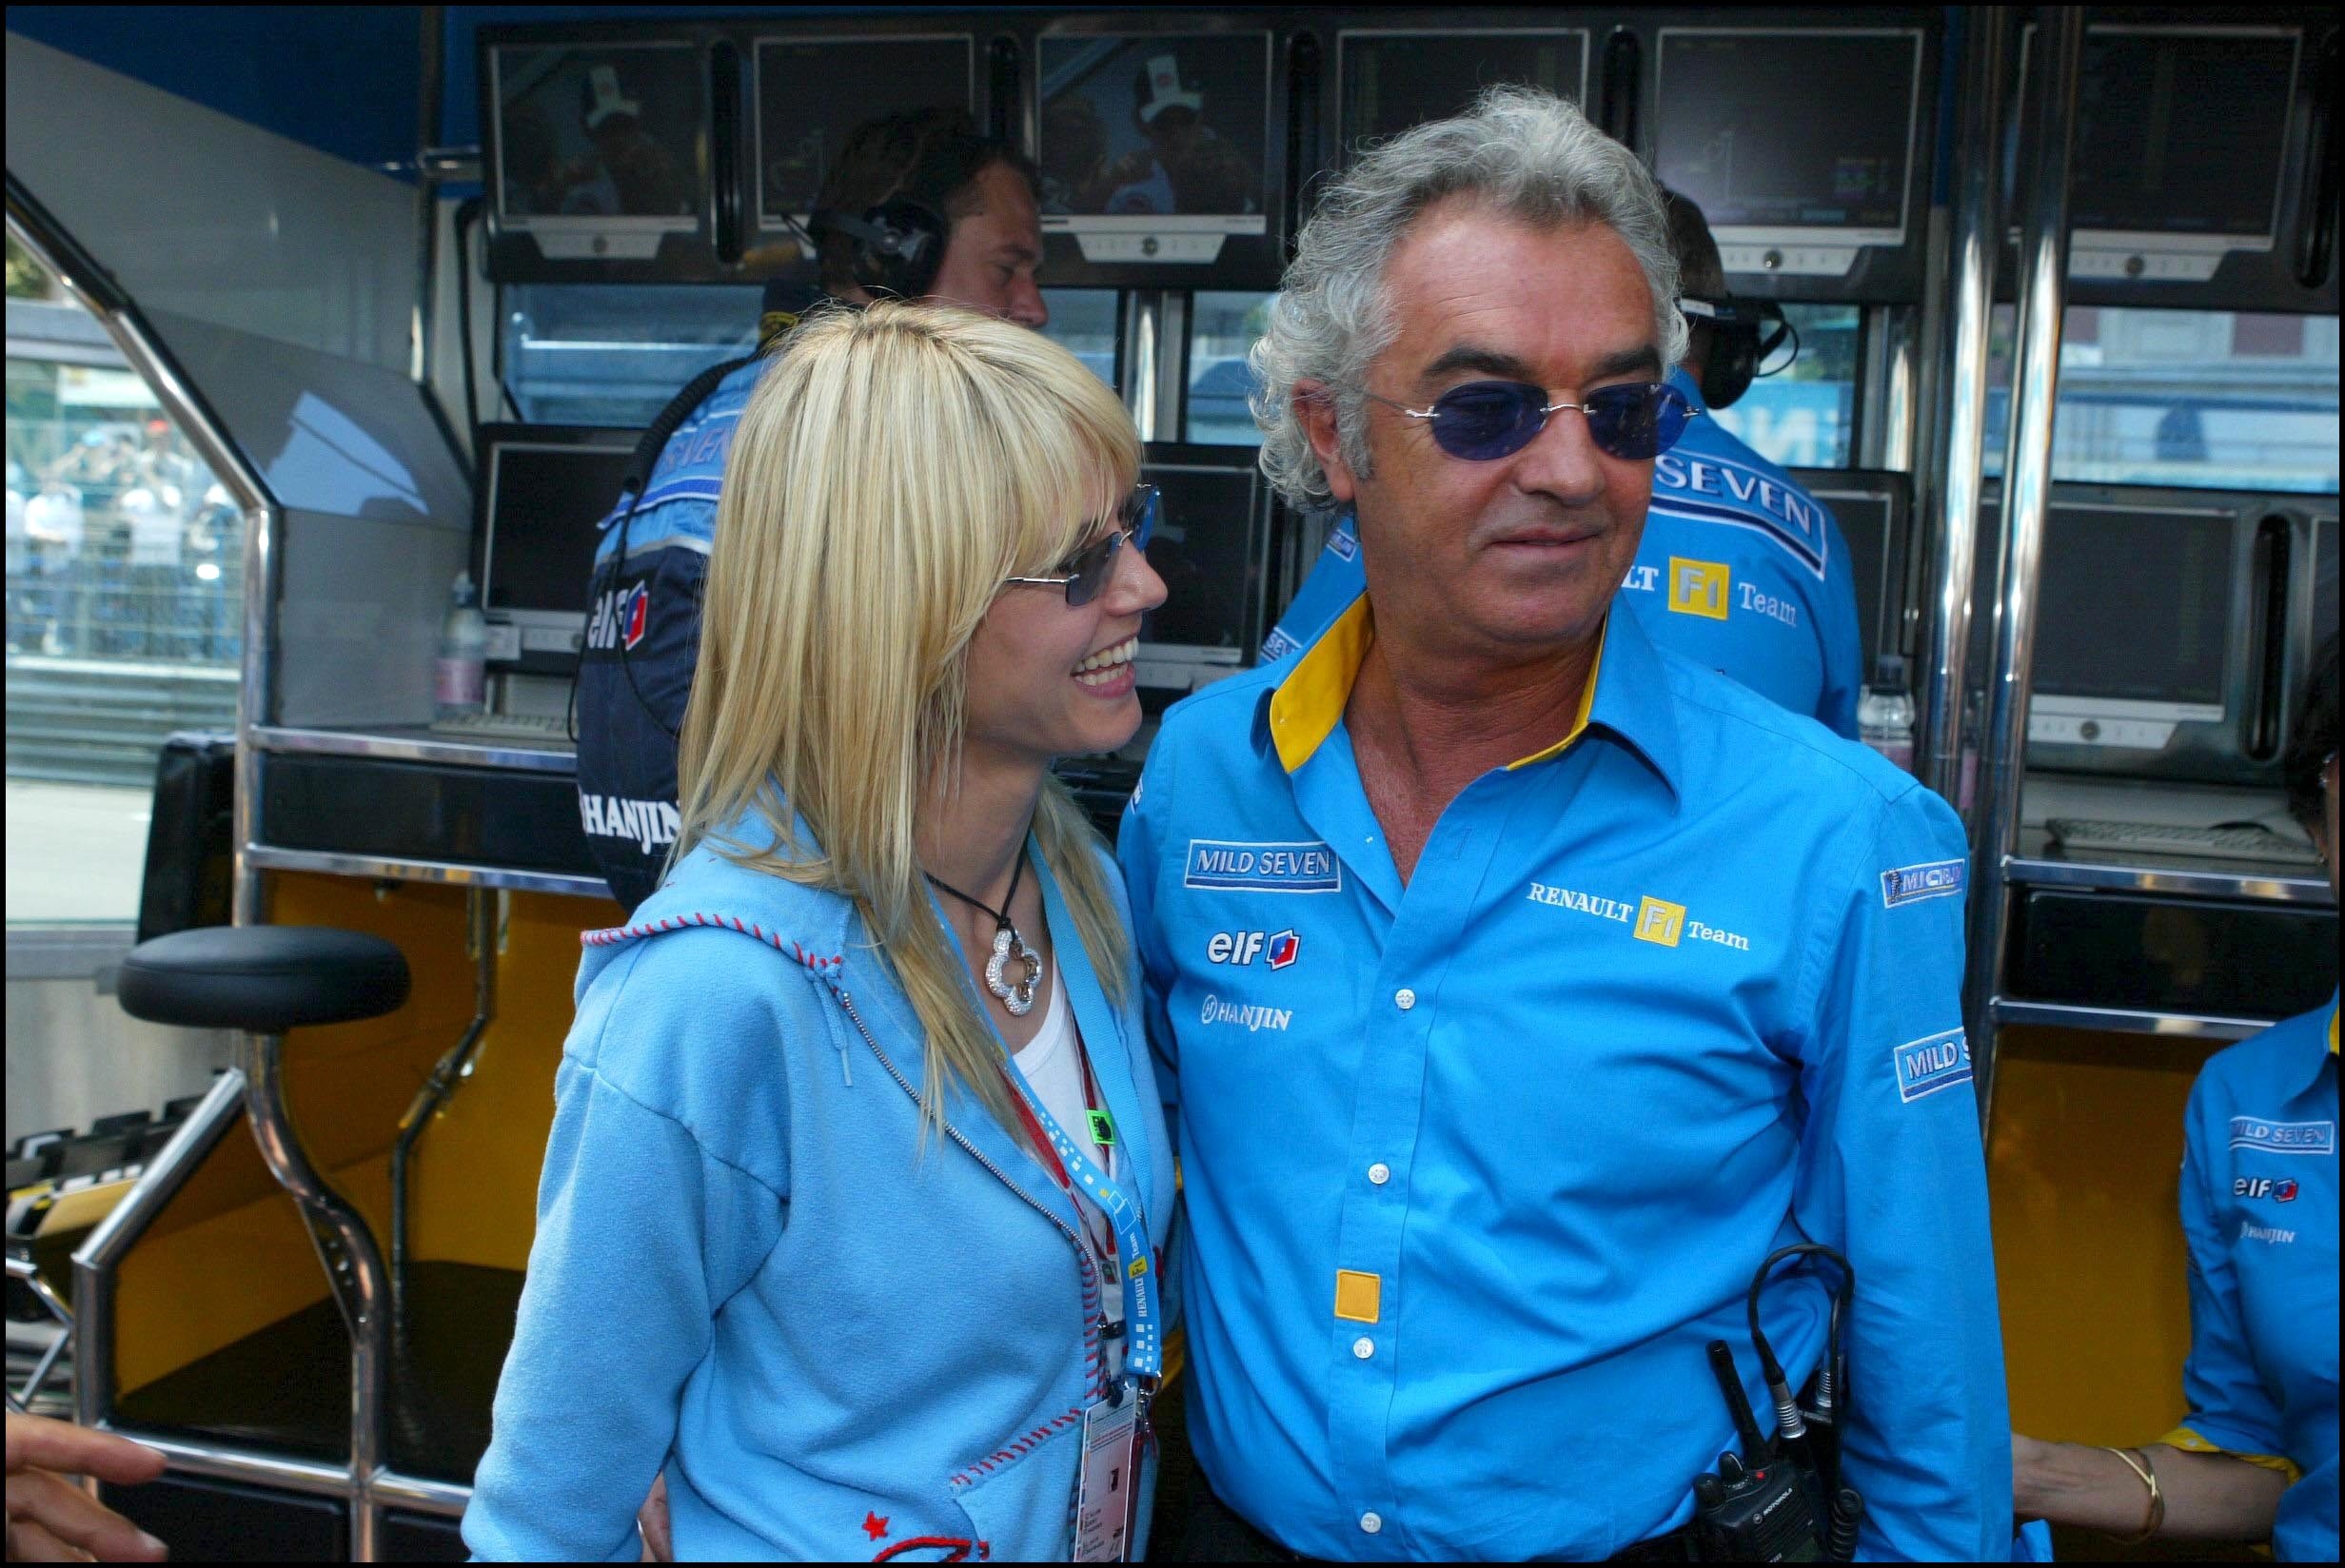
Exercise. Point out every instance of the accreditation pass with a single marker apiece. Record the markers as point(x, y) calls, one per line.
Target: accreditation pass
point(1105, 1492)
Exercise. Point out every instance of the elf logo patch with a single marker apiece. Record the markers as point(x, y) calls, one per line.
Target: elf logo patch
point(2280, 1190)
point(1285, 949)
point(620, 617)
point(1241, 947)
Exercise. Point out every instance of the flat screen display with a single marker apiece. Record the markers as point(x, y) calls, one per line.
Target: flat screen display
point(599, 136)
point(1162, 131)
point(544, 501)
point(1865, 519)
point(2135, 605)
point(1395, 80)
point(1206, 549)
point(1774, 130)
point(2181, 131)
point(812, 94)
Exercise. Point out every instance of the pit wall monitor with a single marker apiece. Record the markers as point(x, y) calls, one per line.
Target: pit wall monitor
point(2196, 167)
point(1211, 548)
point(1410, 68)
point(1872, 507)
point(1164, 153)
point(810, 93)
point(600, 150)
point(2173, 631)
point(542, 489)
point(1804, 149)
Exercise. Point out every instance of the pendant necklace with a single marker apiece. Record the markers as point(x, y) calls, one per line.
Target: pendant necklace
point(1008, 945)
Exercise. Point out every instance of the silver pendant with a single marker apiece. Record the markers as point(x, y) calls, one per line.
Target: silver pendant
point(1018, 998)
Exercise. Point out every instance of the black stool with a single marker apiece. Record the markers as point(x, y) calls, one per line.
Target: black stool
point(262, 981)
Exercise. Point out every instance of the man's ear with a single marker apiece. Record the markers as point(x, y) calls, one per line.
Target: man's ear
point(1314, 409)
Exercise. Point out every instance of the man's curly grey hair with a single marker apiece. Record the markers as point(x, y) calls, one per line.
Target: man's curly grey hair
point(1526, 153)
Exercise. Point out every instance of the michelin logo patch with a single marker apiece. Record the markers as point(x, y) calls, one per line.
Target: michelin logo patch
point(2283, 1137)
point(1930, 1064)
point(1263, 868)
point(1912, 884)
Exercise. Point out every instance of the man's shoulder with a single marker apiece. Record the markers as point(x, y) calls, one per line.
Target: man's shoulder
point(1217, 724)
point(1712, 483)
point(2258, 1073)
point(1730, 732)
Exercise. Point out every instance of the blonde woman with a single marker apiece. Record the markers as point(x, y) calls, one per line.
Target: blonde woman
point(850, 1215)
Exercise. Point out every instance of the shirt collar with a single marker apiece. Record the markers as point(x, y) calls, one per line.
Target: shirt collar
point(1627, 693)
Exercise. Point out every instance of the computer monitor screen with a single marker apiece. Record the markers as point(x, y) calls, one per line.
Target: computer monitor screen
point(1159, 132)
point(600, 139)
point(1774, 131)
point(814, 93)
point(1867, 512)
point(1392, 79)
point(2324, 579)
point(1209, 549)
point(543, 488)
point(2136, 608)
point(2182, 130)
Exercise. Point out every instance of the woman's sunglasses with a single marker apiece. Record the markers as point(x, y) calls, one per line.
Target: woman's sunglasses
point(1086, 572)
point(1483, 420)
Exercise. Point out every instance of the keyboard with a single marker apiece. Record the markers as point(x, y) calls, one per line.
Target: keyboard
point(550, 729)
point(2248, 842)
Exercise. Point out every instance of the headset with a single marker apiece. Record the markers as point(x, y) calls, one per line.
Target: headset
point(1743, 334)
point(899, 244)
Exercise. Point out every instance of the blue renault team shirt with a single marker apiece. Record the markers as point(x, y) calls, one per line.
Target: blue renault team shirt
point(1740, 570)
point(2259, 1189)
point(1477, 1163)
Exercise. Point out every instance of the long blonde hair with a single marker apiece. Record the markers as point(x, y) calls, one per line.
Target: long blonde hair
point(887, 473)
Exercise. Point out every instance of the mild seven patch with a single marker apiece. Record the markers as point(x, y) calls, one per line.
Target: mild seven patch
point(1912, 884)
point(1932, 1063)
point(2283, 1137)
point(1263, 868)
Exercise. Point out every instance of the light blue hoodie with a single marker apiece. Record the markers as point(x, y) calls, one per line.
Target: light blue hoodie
point(839, 1341)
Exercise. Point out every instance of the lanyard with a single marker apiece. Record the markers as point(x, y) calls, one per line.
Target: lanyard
point(1135, 1267)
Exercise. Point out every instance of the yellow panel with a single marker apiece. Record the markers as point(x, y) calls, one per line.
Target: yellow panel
point(1358, 1297)
point(474, 1183)
point(2082, 1163)
point(183, 1295)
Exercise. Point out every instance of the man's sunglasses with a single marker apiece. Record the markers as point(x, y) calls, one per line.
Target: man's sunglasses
point(1483, 420)
point(1086, 572)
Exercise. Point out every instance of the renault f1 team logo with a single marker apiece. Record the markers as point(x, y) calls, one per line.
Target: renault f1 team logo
point(1698, 587)
point(1932, 1063)
point(1658, 920)
point(2282, 1190)
point(1277, 949)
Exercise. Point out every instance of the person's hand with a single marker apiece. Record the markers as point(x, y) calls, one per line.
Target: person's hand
point(651, 1521)
point(51, 1519)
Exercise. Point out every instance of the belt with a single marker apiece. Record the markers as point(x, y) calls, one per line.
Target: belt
point(1217, 1533)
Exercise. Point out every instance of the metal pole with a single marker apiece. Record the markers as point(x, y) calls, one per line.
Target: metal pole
point(2049, 119)
point(1951, 492)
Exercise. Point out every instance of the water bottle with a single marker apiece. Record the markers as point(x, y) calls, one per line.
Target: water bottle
point(1886, 713)
point(459, 674)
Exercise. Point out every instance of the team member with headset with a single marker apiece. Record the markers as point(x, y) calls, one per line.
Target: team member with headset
point(917, 207)
point(1523, 985)
point(1740, 567)
point(2256, 1458)
point(808, 1235)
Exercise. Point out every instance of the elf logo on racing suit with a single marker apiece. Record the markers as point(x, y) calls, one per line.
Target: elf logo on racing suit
point(620, 617)
point(2282, 1190)
point(1243, 947)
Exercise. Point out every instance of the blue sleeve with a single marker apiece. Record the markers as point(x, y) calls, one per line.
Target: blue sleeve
point(1892, 1173)
point(1842, 638)
point(1136, 847)
point(1336, 578)
point(643, 1236)
point(2229, 1404)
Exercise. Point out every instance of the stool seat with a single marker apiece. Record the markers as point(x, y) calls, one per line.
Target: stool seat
point(266, 979)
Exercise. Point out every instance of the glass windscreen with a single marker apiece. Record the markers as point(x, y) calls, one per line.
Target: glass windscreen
point(614, 354)
point(2204, 399)
point(1088, 323)
point(1804, 414)
point(1223, 327)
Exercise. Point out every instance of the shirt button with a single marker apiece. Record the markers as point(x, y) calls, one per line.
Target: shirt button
point(1380, 1173)
point(1371, 1522)
point(1363, 1347)
point(1404, 999)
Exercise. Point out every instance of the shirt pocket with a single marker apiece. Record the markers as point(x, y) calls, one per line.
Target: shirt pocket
point(1019, 1500)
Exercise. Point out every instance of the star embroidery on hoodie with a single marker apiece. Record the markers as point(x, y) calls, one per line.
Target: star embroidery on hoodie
point(874, 1525)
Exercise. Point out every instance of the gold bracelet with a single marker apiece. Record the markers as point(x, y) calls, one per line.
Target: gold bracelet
point(2157, 1515)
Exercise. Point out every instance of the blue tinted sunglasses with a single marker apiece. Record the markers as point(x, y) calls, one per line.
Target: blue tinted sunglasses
point(1089, 569)
point(1483, 420)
